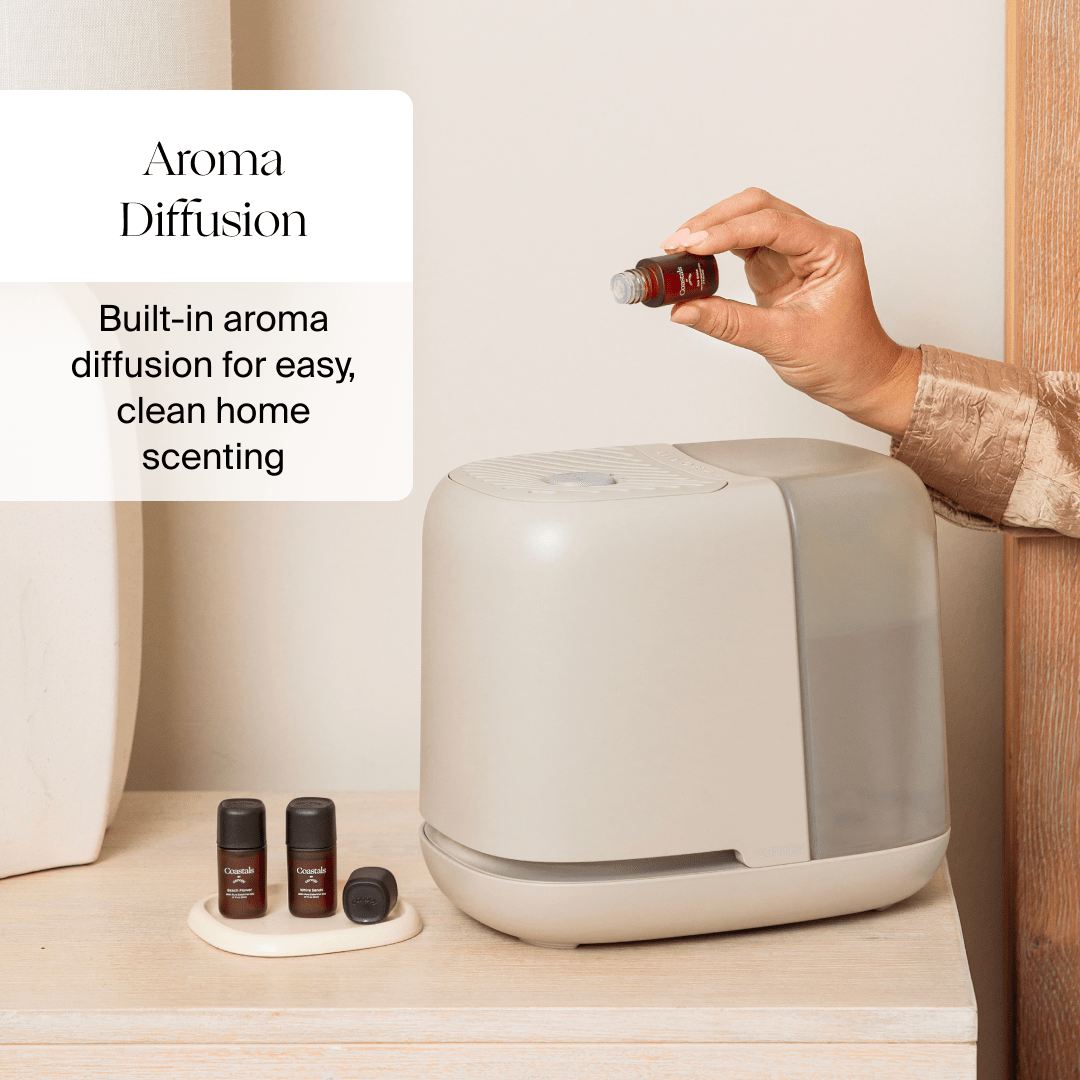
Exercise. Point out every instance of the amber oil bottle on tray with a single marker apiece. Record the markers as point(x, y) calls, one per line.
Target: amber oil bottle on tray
point(241, 857)
point(311, 843)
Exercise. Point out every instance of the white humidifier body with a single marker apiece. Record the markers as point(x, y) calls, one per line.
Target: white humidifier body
point(676, 690)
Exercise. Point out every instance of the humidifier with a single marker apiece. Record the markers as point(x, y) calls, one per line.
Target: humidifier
point(674, 690)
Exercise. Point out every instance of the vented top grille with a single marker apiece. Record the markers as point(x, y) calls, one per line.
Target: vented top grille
point(637, 471)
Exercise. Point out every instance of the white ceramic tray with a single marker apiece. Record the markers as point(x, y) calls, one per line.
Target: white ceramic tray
point(278, 933)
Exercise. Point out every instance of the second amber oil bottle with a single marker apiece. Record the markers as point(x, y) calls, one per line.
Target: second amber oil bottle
point(311, 843)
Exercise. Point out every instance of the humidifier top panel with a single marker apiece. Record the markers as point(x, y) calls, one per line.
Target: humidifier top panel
point(604, 473)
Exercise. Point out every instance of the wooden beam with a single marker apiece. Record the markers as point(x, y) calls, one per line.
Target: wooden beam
point(1042, 577)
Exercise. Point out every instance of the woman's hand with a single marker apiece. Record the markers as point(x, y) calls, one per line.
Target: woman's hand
point(815, 321)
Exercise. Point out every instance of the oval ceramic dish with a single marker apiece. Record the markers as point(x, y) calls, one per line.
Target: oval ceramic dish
point(277, 933)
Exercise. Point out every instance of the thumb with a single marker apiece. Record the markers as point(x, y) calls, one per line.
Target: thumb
point(744, 325)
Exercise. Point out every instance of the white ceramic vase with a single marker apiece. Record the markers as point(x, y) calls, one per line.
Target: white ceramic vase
point(70, 612)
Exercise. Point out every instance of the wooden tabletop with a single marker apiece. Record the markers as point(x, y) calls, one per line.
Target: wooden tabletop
point(100, 976)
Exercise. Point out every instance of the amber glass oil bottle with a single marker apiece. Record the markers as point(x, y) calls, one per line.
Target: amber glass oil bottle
point(241, 838)
point(311, 843)
point(667, 279)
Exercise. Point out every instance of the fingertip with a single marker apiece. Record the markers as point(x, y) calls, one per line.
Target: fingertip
point(676, 240)
point(686, 314)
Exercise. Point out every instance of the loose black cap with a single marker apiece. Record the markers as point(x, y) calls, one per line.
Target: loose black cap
point(310, 824)
point(369, 895)
point(241, 824)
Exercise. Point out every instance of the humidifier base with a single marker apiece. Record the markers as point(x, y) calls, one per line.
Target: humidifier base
point(546, 908)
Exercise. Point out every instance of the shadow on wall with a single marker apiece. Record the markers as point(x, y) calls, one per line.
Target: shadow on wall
point(972, 627)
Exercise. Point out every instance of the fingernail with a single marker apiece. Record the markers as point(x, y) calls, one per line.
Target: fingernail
point(695, 238)
point(677, 238)
point(686, 314)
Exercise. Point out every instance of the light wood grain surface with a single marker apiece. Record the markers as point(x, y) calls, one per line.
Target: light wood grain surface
point(641, 1061)
point(101, 955)
point(1042, 577)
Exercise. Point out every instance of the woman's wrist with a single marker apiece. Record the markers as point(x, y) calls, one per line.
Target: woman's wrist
point(889, 405)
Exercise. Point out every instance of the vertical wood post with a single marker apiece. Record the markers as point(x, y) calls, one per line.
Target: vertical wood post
point(1042, 576)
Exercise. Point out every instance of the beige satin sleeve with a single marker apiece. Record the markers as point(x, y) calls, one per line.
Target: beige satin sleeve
point(997, 445)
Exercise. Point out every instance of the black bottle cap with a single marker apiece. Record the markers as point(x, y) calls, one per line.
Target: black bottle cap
point(241, 824)
point(310, 824)
point(369, 895)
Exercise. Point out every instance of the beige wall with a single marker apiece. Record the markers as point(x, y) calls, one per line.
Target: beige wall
point(555, 144)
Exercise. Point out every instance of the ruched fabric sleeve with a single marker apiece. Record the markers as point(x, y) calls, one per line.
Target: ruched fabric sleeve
point(997, 445)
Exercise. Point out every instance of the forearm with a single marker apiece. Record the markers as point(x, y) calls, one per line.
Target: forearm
point(997, 441)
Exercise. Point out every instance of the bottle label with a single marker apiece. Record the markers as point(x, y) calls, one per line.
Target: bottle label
point(312, 882)
point(690, 279)
point(686, 277)
point(241, 884)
